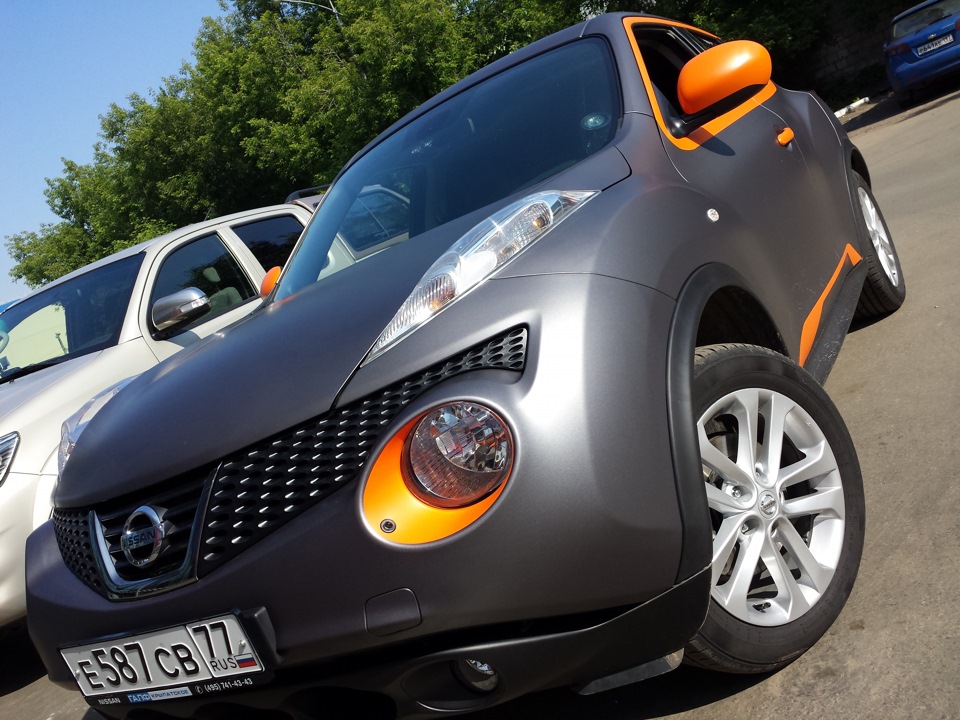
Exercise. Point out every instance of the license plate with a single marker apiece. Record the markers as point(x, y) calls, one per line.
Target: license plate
point(139, 664)
point(938, 43)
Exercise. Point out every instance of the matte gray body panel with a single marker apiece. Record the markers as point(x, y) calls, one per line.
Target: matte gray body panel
point(604, 514)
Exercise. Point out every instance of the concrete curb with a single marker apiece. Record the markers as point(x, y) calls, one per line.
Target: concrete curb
point(852, 106)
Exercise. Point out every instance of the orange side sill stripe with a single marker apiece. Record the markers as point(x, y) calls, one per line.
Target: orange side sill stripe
point(713, 128)
point(812, 324)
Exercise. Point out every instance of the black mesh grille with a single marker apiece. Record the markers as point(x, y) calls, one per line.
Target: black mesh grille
point(256, 490)
point(265, 486)
point(72, 528)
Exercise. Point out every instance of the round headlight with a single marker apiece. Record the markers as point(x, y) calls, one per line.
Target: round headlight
point(458, 454)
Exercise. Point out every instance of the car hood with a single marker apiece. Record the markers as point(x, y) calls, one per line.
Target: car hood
point(279, 367)
point(282, 365)
point(15, 393)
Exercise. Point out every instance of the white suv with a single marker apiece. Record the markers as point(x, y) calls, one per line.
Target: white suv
point(78, 335)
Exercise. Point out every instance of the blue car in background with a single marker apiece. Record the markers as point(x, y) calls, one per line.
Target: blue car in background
point(922, 47)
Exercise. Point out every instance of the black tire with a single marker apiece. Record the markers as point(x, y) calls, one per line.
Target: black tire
point(883, 290)
point(906, 99)
point(757, 622)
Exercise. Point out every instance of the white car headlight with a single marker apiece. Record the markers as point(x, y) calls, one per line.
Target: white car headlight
point(74, 425)
point(8, 448)
point(475, 256)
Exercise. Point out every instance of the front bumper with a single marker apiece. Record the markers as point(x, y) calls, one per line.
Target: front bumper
point(417, 679)
point(570, 576)
point(18, 517)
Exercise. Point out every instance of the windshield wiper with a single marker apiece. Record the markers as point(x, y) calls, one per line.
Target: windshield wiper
point(29, 369)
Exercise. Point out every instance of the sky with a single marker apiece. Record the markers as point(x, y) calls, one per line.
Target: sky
point(62, 64)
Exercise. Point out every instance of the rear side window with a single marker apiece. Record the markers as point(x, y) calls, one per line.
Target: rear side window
point(205, 264)
point(271, 240)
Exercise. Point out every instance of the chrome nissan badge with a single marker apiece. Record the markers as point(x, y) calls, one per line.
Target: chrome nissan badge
point(144, 535)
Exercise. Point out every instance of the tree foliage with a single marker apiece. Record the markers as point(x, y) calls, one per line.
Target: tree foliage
point(281, 95)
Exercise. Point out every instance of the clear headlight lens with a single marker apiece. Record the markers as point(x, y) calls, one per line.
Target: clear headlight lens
point(74, 425)
point(458, 454)
point(8, 448)
point(474, 257)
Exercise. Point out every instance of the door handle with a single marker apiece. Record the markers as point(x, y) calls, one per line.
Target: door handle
point(785, 137)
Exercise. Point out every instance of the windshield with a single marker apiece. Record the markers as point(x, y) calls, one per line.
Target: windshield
point(73, 318)
point(491, 141)
point(924, 17)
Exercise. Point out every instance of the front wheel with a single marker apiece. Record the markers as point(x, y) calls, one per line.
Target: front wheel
point(786, 501)
point(883, 290)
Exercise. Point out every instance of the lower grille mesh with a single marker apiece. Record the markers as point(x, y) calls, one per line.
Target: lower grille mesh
point(72, 528)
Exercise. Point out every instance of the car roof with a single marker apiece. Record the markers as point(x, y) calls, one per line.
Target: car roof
point(162, 240)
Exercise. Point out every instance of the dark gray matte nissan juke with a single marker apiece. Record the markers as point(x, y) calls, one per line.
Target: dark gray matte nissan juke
point(556, 418)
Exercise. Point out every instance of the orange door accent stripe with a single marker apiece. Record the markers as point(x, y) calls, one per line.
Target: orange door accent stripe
point(812, 324)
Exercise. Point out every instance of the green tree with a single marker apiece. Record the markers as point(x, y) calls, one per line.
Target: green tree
point(280, 96)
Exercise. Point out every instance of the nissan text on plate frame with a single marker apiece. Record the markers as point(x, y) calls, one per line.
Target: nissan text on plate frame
point(560, 424)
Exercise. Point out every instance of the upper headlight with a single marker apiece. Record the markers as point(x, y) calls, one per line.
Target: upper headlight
point(478, 254)
point(8, 448)
point(76, 423)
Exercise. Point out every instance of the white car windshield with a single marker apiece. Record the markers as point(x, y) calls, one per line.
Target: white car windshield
point(78, 316)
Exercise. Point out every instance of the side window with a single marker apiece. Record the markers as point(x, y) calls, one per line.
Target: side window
point(205, 264)
point(664, 51)
point(377, 217)
point(74, 317)
point(270, 240)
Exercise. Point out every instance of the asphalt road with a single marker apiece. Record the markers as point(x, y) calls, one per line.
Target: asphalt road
point(895, 650)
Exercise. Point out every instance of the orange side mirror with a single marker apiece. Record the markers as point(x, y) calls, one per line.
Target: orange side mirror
point(269, 281)
point(722, 71)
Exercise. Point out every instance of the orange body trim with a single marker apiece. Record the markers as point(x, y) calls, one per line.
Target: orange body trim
point(812, 324)
point(700, 84)
point(386, 497)
point(713, 128)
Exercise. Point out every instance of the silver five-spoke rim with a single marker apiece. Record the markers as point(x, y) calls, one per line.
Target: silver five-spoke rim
point(776, 497)
point(878, 236)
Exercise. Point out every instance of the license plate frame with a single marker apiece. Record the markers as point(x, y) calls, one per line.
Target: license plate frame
point(935, 44)
point(139, 665)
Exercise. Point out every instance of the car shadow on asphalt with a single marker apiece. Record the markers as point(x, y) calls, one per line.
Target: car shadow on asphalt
point(885, 105)
point(684, 689)
point(21, 665)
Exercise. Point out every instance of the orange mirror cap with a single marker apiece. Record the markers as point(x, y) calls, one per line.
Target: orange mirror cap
point(720, 72)
point(269, 281)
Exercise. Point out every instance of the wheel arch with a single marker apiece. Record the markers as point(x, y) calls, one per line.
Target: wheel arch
point(859, 165)
point(714, 306)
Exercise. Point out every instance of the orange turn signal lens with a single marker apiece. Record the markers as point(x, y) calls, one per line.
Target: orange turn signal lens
point(269, 281)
